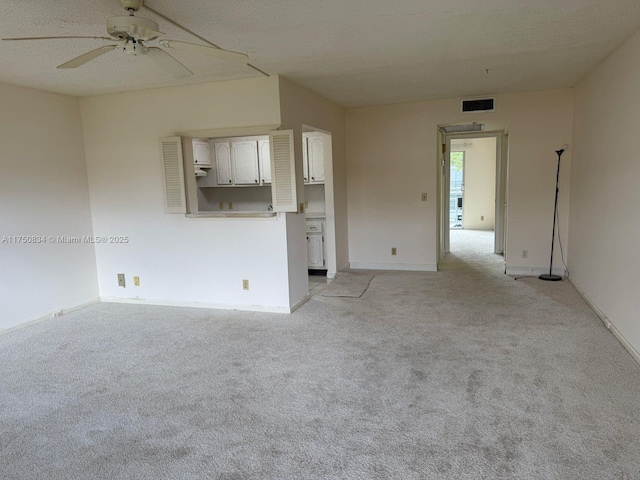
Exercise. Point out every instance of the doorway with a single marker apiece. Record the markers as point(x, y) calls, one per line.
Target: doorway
point(473, 170)
point(319, 205)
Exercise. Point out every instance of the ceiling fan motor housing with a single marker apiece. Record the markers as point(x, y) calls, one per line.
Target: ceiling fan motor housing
point(132, 27)
point(131, 4)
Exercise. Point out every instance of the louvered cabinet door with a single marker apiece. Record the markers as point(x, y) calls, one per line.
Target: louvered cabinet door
point(173, 175)
point(283, 171)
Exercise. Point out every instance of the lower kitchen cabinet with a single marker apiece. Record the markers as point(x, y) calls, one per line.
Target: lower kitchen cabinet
point(315, 245)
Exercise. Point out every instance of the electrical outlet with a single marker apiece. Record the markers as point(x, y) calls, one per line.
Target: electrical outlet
point(525, 253)
point(301, 208)
point(424, 197)
point(245, 284)
point(394, 251)
point(306, 205)
point(230, 205)
point(221, 205)
point(136, 281)
point(121, 282)
point(482, 218)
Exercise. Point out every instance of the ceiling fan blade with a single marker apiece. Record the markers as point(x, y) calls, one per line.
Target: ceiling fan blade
point(168, 63)
point(55, 38)
point(87, 57)
point(206, 50)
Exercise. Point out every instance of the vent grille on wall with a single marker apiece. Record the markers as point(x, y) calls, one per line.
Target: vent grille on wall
point(471, 127)
point(478, 105)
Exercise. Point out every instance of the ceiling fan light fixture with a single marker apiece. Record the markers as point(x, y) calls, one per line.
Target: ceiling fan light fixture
point(131, 47)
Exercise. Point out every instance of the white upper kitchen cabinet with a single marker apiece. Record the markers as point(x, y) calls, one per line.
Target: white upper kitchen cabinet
point(222, 152)
point(244, 158)
point(265, 161)
point(305, 159)
point(315, 155)
point(201, 154)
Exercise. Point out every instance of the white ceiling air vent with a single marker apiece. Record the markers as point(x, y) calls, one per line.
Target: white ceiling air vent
point(471, 127)
point(478, 105)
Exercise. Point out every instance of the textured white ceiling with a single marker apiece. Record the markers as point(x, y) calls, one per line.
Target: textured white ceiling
point(355, 52)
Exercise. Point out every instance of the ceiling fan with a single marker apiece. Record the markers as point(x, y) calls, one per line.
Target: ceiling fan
point(138, 36)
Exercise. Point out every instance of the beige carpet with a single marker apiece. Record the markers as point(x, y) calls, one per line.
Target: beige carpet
point(348, 284)
point(460, 374)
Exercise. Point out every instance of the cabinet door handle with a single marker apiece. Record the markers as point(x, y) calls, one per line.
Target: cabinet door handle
point(229, 181)
point(256, 181)
point(305, 179)
point(313, 178)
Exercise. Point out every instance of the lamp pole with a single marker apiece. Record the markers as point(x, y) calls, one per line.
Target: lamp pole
point(550, 276)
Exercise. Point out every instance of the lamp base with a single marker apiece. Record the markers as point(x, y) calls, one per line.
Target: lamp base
point(550, 278)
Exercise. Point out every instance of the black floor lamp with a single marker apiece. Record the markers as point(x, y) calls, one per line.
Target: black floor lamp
point(550, 276)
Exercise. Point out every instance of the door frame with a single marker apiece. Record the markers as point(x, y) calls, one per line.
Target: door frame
point(444, 163)
point(331, 257)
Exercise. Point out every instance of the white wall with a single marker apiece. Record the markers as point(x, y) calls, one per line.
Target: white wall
point(314, 197)
point(43, 192)
point(391, 161)
point(301, 107)
point(605, 197)
point(479, 181)
point(179, 260)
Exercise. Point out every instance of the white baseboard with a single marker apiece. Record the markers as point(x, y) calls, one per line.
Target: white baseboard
point(534, 271)
point(301, 302)
point(412, 267)
point(48, 316)
point(213, 306)
point(607, 323)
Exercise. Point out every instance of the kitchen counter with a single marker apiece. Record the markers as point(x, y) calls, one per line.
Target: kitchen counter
point(230, 214)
